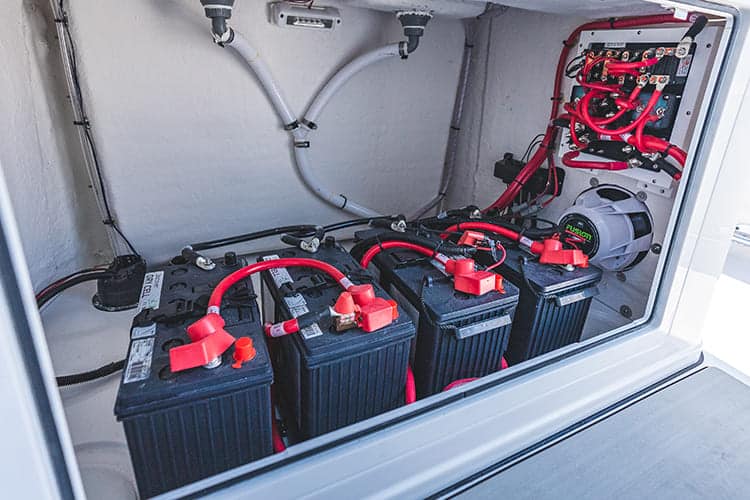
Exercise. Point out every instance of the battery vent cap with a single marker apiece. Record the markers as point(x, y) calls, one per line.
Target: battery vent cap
point(243, 351)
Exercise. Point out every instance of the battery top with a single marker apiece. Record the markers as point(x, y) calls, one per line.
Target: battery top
point(178, 295)
point(546, 279)
point(298, 290)
point(424, 280)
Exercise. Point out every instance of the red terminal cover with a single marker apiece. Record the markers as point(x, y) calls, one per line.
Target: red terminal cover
point(373, 313)
point(553, 253)
point(209, 341)
point(468, 280)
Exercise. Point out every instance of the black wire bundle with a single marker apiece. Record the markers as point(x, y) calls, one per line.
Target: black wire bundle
point(575, 65)
point(101, 372)
point(68, 281)
point(57, 287)
point(298, 230)
point(436, 245)
point(84, 122)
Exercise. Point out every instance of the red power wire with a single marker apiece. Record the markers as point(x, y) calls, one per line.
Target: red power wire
point(411, 388)
point(214, 303)
point(569, 160)
point(510, 193)
point(535, 246)
point(584, 114)
point(373, 251)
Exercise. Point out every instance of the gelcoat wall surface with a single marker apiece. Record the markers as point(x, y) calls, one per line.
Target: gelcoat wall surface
point(40, 154)
point(191, 147)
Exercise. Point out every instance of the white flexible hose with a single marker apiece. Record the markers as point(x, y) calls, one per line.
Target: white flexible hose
point(252, 57)
point(344, 74)
point(325, 94)
point(339, 201)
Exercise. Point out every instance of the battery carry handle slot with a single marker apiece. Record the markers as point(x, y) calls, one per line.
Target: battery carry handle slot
point(484, 326)
point(576, 296)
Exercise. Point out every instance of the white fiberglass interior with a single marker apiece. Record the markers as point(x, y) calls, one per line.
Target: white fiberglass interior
point(191, 145)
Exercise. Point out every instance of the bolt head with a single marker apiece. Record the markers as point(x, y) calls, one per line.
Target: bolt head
point(626, 311)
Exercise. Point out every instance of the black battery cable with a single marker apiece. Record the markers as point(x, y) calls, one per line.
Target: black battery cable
point(60, 286)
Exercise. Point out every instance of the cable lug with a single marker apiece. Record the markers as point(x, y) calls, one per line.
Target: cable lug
point(683, 48)
point(399, 226)
point(660, 81)
point(200, 261)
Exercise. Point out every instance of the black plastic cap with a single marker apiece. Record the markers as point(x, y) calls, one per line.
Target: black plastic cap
point(414, 22)
point(218, 11)
point(122, 290)
point(218, 8)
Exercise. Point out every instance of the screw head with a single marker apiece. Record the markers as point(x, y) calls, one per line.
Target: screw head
point(594, 182)
point(656, 248)
point(641, 195)
point(626, 311)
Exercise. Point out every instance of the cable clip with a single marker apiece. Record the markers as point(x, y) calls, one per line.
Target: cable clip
point(84, 122)
point(291, 126)
point(307, 123)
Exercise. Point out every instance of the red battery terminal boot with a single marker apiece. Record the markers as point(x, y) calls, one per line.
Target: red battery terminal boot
point(373, 313)
point(468, 280)
point(244, 351)
point(471, 238)
point(208, 341)
point(553, 253)
point(358, 306)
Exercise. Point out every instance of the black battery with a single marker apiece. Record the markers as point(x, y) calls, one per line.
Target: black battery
point(553, 307)
point(327, 379)
point(459, 335)
point(185, 426)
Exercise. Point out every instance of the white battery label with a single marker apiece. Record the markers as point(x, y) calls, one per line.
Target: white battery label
point(141, 332)
point(684, 66)
point(297, 306)
point(151, 291)
point(311, 331)
point(139, 360)
point(279, 274)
